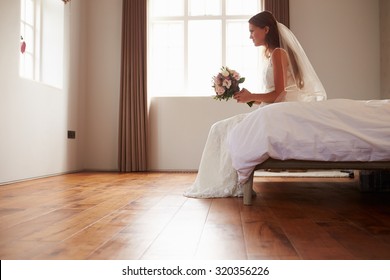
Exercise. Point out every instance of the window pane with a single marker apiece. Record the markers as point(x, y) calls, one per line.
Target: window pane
point(26, 66)
point(204, 54)
point(247, 7)
point(167, 59)
point(204, 7)
point(166, 8)
point(242, 55)
point(28, 9)
point(28, 37)
point(23, 10)
point(208, 38)
point(52, 42)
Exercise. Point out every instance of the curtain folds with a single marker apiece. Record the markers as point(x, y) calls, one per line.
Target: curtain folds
point(133, 96)
point(280, 9)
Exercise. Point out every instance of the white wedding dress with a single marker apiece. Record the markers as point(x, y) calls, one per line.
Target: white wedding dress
point(216, 176)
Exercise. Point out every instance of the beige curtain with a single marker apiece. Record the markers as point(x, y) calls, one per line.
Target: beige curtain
point(280, 9)
point(133, 98)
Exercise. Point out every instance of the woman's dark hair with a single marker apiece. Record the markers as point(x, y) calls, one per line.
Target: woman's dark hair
point(272, 41)
point(262, 20)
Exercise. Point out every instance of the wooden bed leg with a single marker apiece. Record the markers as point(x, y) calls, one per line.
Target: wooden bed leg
point(248, 190)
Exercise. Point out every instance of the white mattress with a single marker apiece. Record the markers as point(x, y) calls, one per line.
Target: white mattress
point(332, 130)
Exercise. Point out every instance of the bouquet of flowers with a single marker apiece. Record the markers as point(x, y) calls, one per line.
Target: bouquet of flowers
point(226, 83)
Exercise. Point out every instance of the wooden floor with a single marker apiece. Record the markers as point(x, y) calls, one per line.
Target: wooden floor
point(145, 216)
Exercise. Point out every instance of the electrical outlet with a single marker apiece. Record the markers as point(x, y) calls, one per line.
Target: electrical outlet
point(71, 134)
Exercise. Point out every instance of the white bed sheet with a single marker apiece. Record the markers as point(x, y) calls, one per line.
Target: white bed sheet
point(332, 130)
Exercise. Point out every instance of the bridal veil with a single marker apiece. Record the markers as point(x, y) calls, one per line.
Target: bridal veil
point(307, 85)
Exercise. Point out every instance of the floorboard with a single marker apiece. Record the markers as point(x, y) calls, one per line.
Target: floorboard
point(144, 216)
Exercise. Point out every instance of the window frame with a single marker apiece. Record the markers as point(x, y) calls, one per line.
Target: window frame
point(35, 45)
point(41, 70)
point(224, 18)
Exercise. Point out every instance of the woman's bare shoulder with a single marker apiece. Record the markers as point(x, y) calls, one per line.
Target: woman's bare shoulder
point(279, 52)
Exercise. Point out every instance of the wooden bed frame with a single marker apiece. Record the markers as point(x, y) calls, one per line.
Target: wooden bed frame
point(303, 164)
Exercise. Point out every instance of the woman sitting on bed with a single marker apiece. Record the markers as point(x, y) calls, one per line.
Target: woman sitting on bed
point(288, 76)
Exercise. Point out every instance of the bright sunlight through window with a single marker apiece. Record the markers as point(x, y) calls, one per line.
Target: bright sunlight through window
point(42, 40)
point(190, 40)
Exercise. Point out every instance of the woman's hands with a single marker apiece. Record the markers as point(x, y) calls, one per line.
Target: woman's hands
point(243, 96)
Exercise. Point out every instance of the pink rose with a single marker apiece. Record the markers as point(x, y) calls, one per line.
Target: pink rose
point(219, 90)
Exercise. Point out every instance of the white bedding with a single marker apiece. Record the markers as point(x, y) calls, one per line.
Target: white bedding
point(332, 130)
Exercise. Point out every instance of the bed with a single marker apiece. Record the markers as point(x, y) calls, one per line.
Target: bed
point(307, 165)
point(332, 134)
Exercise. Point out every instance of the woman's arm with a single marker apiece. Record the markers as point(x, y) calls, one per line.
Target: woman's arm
point(280, 63)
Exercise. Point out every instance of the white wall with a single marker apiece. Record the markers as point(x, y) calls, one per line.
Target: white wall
point(179, 127)
point(385, 48)
point(34, 118)
point(103, 62)
point(342, 40)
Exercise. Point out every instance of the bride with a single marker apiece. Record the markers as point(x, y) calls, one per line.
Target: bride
point(287, 75)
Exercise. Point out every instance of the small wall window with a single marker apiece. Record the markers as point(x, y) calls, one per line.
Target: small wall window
point(28, 25)
point(42, 41)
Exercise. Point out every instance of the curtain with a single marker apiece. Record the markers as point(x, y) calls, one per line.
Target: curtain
point(280, 9)
point(133, 89)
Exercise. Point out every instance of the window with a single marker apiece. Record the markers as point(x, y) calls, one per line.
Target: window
point(41, 34)
point(27, 31)
point(190, 40)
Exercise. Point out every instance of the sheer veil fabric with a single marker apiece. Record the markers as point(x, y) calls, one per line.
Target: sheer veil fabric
point(216, 175)
point(306, 86)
